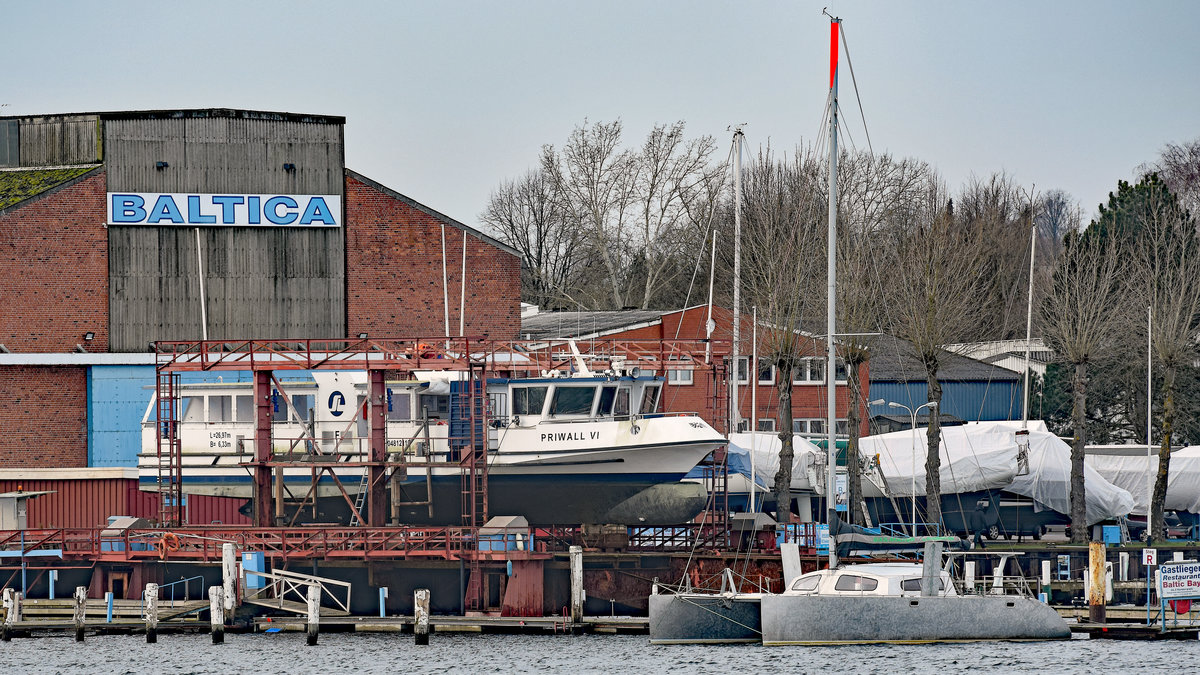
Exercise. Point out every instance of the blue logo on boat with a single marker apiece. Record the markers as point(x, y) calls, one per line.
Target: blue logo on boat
point(336, 402)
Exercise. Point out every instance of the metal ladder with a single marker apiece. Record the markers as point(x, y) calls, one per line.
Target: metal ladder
point(360, 500)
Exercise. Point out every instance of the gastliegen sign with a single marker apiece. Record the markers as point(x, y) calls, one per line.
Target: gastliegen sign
point(215, 210)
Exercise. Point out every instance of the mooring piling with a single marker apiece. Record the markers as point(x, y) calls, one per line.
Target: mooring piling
point(421, 616)
point(80, 616)
point(1098, 582)
point(314, 613)
point(150, 600)
point(216, 613)
point(576, 554)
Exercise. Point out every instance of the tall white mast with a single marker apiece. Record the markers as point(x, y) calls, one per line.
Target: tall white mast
point(735, 416)
point(830, 314)
point(1029, 314)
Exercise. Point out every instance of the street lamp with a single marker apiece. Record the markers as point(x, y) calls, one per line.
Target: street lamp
point(912, 413)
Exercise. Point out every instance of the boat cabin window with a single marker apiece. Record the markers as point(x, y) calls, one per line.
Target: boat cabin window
point(915, 585)
point(808, 583)
point(220, 409)
point(399, 406)
point(192, 409)
point(608, 396)
point(303, 403)
point(528, 400)
point(245, 408)
point(572, 400)
point(437, 406)
point(621, 405)
point(649, 399)
point(853, 582)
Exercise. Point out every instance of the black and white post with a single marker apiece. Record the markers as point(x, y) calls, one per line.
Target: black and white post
point(421, 616)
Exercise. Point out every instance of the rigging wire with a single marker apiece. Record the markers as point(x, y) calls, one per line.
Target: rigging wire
point(842, 33)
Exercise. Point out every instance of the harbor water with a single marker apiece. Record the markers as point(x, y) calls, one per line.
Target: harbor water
point(460, 653)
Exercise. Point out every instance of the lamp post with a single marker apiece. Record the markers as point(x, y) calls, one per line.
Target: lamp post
point(912, 412)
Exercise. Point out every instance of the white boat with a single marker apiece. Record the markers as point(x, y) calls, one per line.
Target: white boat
point(899, 603)
point(561, 449)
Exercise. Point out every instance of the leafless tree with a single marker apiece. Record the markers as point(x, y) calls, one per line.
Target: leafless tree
point(1077, 318)
point(1179, 167)
point(873, 191)
point(527, 214)
point(1168, 259)
point(935, 298)
point(636, 208)
point(782, 248)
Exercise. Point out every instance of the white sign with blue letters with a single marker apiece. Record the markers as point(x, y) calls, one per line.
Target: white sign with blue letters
point(214, 210)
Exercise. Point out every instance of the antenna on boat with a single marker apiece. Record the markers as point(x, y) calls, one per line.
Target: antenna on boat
point(580, 365)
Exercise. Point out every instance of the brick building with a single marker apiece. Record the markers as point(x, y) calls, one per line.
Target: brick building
point(695, 389)
point(120, 229)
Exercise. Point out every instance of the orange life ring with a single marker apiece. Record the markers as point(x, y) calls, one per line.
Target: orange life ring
point(168, 542)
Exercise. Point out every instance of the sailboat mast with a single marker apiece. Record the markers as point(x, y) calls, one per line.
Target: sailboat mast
point(735, 416)
point(830, 314)
point(1029, 313)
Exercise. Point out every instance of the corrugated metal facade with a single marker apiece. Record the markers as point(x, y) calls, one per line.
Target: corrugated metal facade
point(259, 282)
point(970, 401)
point(50, 141)
point(89, 502)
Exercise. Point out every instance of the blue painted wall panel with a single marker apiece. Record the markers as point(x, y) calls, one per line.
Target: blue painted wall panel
point(971, 401)
point(117, 399)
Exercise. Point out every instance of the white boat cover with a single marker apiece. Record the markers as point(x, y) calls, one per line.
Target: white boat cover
point(974, 457)
point(765, 448)
point(983, 455)
point(1127, 469)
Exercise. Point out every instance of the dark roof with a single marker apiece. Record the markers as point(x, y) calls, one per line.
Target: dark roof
point(548, 325)
point(179, 113)
point(18, 185)
point(896, 360)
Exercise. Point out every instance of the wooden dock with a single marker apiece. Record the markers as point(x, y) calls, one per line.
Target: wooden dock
point(1128, 631)
point(626, 625)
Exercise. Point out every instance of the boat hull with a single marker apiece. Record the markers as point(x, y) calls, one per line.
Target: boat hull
point(812, 619)
point(705, 618)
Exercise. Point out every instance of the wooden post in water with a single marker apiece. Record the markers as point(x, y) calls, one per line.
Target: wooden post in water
point(12, 612)
point(216, 613)
point(314, 613)
point(1099, 584)
point(228, 575)
point(576, 553)
point(421, 615)
point(80, 599)
point(1046, 581)
point(150, 601)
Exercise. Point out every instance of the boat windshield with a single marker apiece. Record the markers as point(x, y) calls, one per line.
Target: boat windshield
point(808, 583)
point(572, 400)
point(853, 582)
point(608, 396)
point(915, 585)
point(649, 399)
point(529, 400)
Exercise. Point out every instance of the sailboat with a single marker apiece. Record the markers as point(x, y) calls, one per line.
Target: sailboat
point(904, 602)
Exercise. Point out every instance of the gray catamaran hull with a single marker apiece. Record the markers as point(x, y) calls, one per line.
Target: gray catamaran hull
point(704, 618)
point(797, 619)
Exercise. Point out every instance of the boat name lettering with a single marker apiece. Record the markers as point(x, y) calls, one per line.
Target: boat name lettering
point(570, 436)
point(264, 210)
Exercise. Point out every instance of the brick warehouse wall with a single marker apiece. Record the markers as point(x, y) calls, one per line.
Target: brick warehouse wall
point(43, 416)
point(54, 267)
point(394, 272)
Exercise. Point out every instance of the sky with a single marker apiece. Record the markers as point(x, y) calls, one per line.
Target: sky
point(445, 100)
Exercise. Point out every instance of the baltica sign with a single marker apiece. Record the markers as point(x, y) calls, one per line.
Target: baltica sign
point(191, 210)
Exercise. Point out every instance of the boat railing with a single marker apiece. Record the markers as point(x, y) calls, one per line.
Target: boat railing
point(999, 582)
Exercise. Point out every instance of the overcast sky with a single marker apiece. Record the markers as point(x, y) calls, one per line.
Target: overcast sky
point(444, 100)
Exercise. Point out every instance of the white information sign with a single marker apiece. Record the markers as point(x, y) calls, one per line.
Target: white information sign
point(1149, 556)
point(1179, 580)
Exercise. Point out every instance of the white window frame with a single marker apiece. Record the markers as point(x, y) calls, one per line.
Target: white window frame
point(679, 376)
point(770, 381)
point(765, 424)
point(742, 370)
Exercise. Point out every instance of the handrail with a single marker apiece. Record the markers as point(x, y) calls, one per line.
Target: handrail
point(186, 582)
